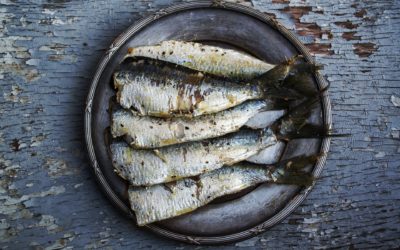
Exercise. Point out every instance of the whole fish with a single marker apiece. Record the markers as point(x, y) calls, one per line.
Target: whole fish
point(161, 201)
point(163, 89)
point(163, 132)
point(149, 167)
point(160, 89)
point(209, 59)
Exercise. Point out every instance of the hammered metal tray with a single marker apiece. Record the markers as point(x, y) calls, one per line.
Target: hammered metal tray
point(228, 25)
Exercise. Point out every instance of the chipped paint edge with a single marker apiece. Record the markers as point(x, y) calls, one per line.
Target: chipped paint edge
point(292, 205)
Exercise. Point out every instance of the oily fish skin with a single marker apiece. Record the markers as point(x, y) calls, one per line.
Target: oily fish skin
point(163, 132)
point(164, 90)
point(205, 58)
point(149, 167)
point(161, 201)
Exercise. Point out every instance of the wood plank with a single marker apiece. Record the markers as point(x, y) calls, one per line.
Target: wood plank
point(48, 196)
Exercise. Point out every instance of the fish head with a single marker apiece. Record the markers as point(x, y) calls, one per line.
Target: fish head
point(268, 137)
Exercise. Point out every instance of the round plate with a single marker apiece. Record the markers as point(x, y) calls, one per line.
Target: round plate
point(226, 24)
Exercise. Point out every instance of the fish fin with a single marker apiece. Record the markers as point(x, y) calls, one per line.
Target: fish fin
point(282, 93)
point(295, 118)
point(294, 124)
point(277, 105)
point(291, 171)
point(298, 162)
point(311, 68)
point(311, 131)
point(291, 79)
point(299, 179)
point(277, 74)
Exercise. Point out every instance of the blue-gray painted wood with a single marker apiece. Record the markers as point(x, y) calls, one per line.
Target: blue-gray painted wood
point(48, 195)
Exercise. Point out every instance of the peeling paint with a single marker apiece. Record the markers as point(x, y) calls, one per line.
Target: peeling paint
point(17, 145)
point(13, 56)
point(56, 167)
point(280, 1)
point(305, 28)
point(13, 205)
point(49, 12)
point(49, 222)
point(78, 185)
point(320, 48)
point(364, 49)
point(348, 36)
point(104, 237)
point(56, 47)
point(361, 13)
point(361, 96)
point(37, 140)
point(347, 25)
point(14, 95)
point(395, 100)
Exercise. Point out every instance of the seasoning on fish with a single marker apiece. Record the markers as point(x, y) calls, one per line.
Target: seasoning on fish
point(163, 89)
point(149, 167)
point(160, 89)
point(161, 202)
point(209, 59)
point(161, 132)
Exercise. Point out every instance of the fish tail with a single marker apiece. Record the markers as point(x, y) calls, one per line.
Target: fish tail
point(292, 171)
point(294, 124)
point(292, 79)
point(311, 131)
point(299, 179)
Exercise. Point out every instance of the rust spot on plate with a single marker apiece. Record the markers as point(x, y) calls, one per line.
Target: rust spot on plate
point(350, 36)
point(364, 49)
point(347, 25)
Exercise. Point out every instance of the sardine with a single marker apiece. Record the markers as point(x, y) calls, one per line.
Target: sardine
point(160, 89)
point(161, 201)
point(161, 132)
point(163, 89)
point(209, 59)
point(149, 167)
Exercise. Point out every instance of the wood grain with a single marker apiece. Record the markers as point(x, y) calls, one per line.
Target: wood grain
point(48, 196)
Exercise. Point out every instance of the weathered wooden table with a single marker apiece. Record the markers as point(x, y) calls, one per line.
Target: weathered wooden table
point(48, 195)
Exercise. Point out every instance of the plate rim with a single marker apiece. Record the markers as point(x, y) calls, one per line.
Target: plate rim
point(265, 18)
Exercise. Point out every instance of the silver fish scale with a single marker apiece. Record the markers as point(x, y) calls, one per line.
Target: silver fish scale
point(159, 202)
point(168, 96)
point(163, 132)
point(205, 58)
point(146, 167)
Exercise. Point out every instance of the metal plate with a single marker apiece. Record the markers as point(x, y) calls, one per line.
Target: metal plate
point(228, 25)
